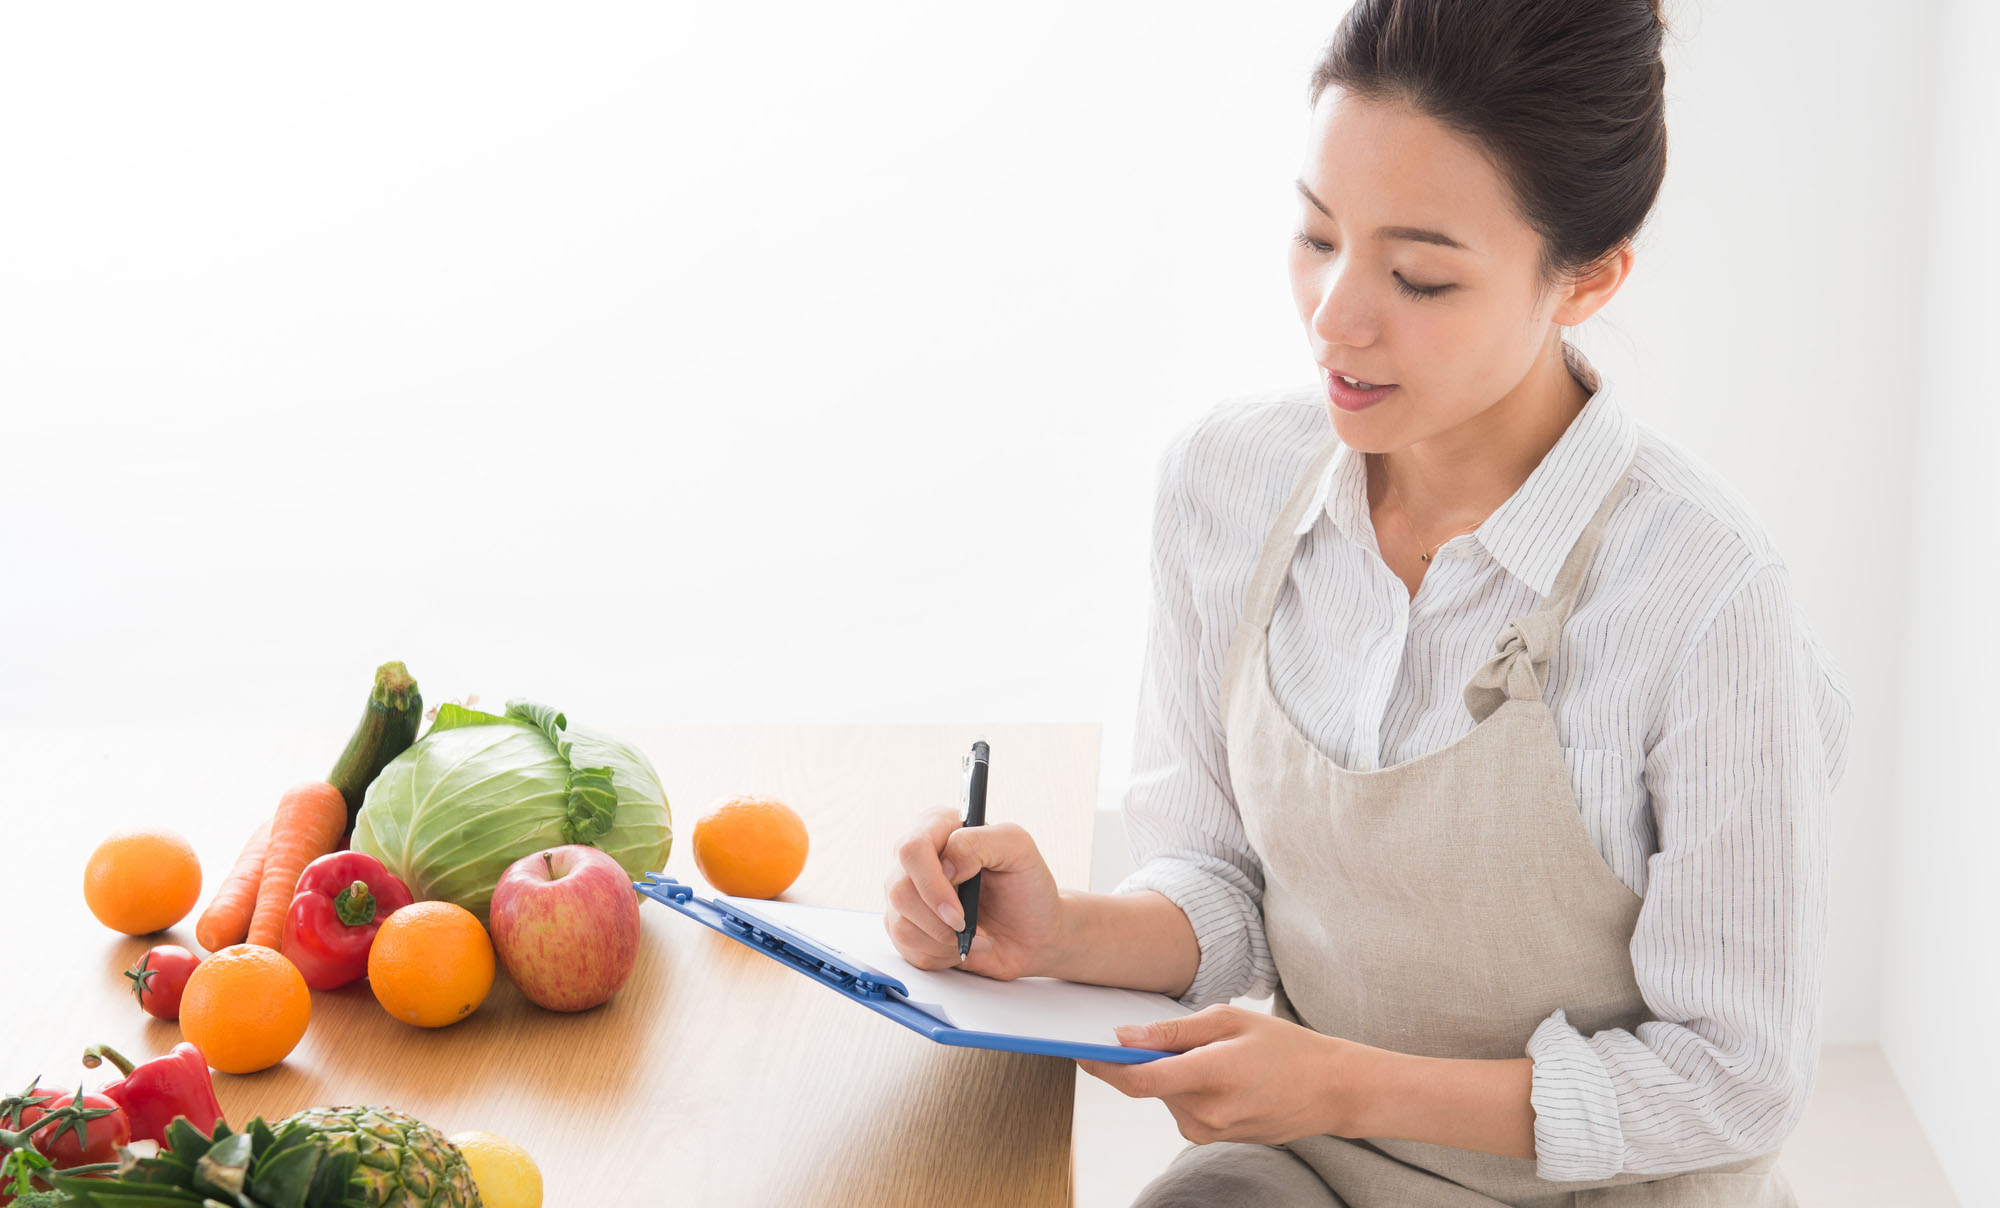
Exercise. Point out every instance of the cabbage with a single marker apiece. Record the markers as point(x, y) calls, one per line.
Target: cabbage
point(478, 792)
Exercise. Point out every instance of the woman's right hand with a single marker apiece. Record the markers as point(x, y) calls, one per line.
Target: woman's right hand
point(1020, 909)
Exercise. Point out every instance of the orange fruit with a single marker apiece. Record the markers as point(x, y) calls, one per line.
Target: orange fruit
point(750, 847)
point(245, 1008)
point(142, 881)
point(431, 964)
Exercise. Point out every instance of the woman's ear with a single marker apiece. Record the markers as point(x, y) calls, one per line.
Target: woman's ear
point(1594, 286)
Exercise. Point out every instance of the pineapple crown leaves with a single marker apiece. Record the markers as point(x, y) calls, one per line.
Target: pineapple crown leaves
point(256, 1168)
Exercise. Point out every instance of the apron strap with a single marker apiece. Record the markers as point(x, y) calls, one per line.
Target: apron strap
point(1261, 598)
point(1518, 668)
point(1519, 665)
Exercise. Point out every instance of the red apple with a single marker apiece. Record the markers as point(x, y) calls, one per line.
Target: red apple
point(566, 926)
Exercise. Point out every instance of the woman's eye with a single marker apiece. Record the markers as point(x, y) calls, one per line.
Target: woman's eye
point(1419, 291)
point(1407, 289)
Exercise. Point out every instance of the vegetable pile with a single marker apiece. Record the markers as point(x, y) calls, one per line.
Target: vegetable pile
point(45, 1129)
point(330, 1157)
point(157, 1137)
point(154, 1094)
point(480, 791)
point(385, 870)
point(313, 819)
point(50, 1129)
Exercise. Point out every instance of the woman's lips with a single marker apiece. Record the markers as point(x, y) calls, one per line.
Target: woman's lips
point(1347, 398)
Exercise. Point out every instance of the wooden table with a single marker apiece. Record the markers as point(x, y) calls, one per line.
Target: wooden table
point(715, 1077)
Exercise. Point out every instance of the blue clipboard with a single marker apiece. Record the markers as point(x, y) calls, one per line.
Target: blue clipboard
point(868, 986)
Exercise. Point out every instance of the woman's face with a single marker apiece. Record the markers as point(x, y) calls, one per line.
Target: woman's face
point(1411, 267)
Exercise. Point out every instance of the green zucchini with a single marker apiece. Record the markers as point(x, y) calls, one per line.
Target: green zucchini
point(388, 727)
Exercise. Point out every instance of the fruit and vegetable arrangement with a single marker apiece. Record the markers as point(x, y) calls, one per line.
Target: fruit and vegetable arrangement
point(325, 1157)
point(481, 791)
point(424, 864)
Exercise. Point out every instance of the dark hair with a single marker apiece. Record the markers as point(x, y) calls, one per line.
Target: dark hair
point(1566, 96)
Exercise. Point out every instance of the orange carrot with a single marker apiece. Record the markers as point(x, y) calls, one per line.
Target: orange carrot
point(227, 919)
point(308, 824)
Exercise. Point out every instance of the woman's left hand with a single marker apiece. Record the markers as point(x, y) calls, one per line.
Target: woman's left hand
point(1239, 1075)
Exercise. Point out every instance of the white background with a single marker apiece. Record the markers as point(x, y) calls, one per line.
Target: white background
point(804, 362)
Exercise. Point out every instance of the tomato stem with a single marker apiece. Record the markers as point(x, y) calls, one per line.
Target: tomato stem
point(142, 975)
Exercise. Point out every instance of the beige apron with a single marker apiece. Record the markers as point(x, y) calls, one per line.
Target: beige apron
point(1447, 905)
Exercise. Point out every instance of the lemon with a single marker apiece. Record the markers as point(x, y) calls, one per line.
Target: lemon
point(506, 1175)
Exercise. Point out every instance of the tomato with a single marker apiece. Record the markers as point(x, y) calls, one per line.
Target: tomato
point(74, 1143)
point(159, 977)
point(14, 1109)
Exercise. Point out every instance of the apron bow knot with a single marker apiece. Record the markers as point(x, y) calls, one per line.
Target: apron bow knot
point(1518, 665)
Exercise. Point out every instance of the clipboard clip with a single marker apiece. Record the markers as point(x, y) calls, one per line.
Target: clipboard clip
point(842, 973)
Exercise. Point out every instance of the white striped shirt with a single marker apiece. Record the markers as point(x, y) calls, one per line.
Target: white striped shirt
point(1703, 725)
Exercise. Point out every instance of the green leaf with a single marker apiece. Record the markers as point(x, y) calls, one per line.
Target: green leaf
point(331, 1182)
point(591, 801)
point(186, 1145)
point(103, 1193)
point(451, 717)
point(224, 1167)
point(171, 1178)
point(285, 1175)
point(18, 1166)
point(261, 1138)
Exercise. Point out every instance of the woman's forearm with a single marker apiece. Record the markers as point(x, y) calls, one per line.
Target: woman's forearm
point(1139, 940)
point(1466, 1103)
point(1143, 941)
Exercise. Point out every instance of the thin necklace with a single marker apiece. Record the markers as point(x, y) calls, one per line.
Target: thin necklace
point(1422, 554)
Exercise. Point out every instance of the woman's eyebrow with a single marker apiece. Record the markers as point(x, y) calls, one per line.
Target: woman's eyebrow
point(1413, 234)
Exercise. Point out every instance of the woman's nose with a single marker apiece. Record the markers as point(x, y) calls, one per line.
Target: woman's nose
point(1344, 314)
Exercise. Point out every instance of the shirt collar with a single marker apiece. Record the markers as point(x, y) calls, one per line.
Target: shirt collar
point(1534, 530)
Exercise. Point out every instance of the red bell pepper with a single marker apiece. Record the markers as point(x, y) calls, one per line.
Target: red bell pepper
point(153, 1094)
point(340, 901)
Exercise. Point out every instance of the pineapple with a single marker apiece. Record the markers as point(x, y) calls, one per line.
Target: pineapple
point(323, 1157)
point(401, 1161)
point(255, 1168)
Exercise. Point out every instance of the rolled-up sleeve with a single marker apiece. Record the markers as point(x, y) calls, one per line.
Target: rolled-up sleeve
point(1729, 950)
point(1181, 819)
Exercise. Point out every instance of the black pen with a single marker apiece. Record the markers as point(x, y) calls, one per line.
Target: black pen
point(975, 815)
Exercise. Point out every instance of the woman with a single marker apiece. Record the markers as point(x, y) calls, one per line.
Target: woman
point(1543, 913)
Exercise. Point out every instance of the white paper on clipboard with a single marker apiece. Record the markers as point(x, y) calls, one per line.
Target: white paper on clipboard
point(1047, 1008)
